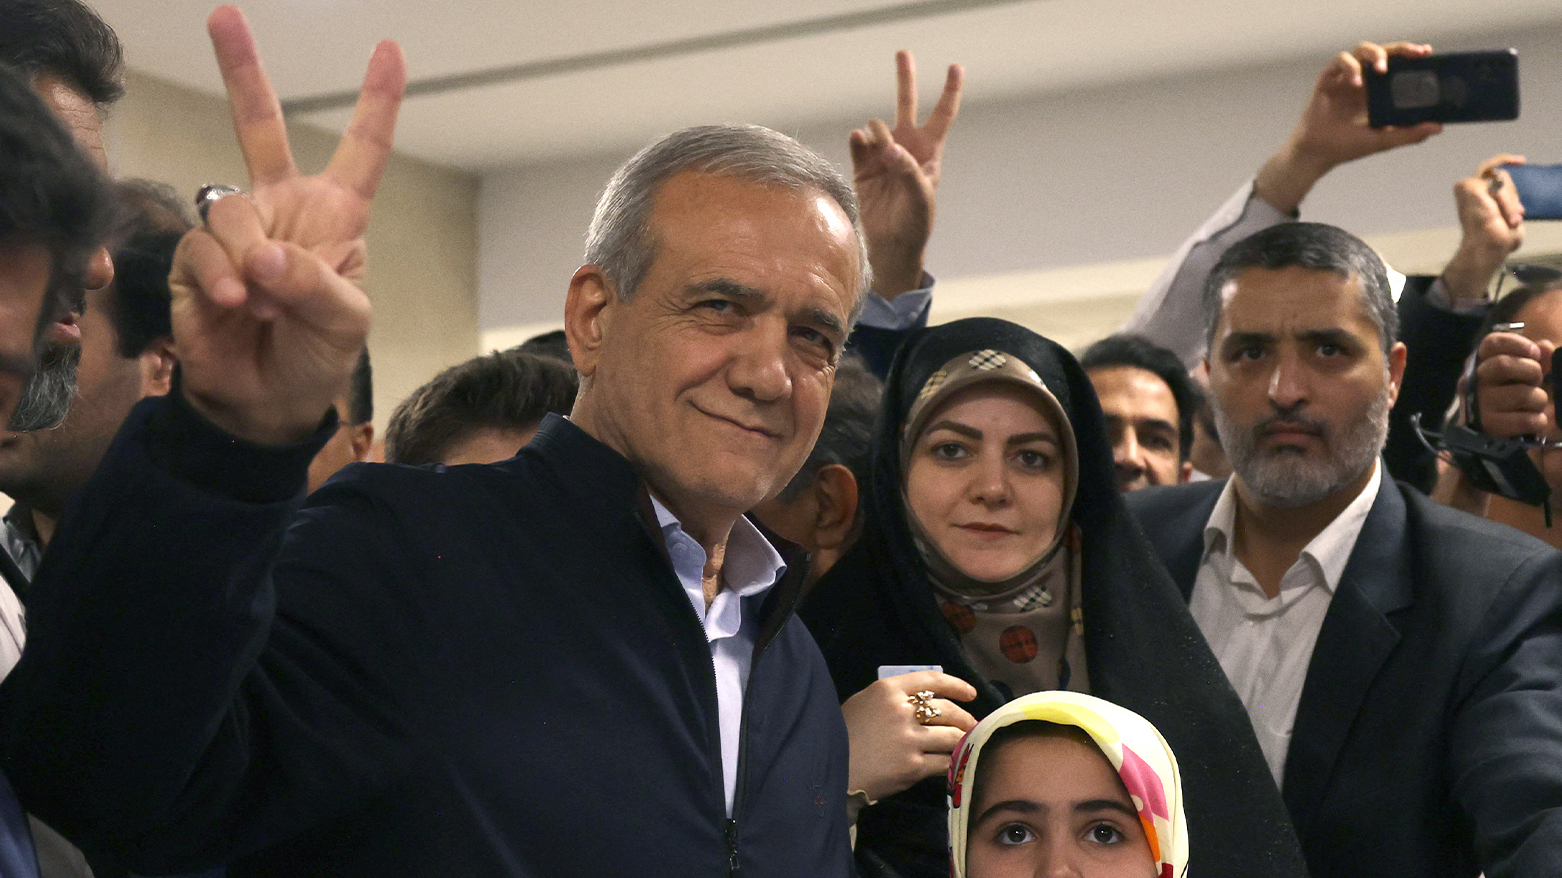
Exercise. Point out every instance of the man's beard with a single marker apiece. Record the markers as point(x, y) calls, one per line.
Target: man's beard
point(46, 398)
point(1287, 478)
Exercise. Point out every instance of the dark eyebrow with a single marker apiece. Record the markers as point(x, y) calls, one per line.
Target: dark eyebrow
point(957, 427)
point(1022, 438)
point(1095, 805)
point(1243, 339)
point(1019, 806)
point(1334, 336)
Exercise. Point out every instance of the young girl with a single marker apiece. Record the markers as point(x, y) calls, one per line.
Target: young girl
point(1065, 783)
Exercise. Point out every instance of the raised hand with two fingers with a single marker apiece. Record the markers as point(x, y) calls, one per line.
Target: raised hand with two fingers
point(268, 313)
point(896, 172)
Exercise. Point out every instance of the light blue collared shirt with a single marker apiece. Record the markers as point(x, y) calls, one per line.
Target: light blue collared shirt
point(750, 568)
point(900, 312)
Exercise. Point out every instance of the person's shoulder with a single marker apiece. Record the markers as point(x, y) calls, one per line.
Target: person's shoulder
point(1471, 541)
point(394, 486)
point(1156, 502)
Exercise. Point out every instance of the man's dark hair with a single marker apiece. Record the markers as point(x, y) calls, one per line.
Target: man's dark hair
point(1308, 245)
point(360, 393)
point(848, 426)
point(1138, 352)
point(549, 344)
point(1507, 308)
point(64, 38)
point(504, 390)
point(152, 219)
point(50, 193)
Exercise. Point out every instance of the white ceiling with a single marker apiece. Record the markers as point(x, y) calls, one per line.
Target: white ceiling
point(1009, 48)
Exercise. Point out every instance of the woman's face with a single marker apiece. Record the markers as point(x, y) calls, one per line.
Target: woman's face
point(985, 480)
point(1052, 805)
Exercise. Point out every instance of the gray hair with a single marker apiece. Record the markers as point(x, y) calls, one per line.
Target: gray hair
point(1308, 245)
point(620, 240)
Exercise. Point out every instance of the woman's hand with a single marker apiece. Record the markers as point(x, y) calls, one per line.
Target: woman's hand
point(890, 749)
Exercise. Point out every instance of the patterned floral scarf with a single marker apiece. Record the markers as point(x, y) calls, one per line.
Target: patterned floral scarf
point(1129, 742)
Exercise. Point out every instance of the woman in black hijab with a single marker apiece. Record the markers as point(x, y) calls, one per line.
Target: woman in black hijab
point(1041, 582)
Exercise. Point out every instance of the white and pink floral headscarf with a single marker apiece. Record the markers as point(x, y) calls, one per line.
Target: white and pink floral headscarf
point(1130, 743)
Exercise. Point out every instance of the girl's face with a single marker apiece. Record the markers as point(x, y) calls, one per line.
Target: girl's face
point(985, 481)
point(1051, 805)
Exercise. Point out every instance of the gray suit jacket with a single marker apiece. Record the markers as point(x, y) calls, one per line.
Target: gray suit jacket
point(1428, 739)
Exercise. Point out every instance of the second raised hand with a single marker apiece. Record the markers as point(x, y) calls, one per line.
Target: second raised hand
point(896, 174)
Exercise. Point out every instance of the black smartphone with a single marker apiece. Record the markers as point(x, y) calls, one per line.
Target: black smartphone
point(1456, 87)
point(1539, 188)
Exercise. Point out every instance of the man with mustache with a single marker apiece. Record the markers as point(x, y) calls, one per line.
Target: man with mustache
point(590, 636)
point(53, 214)
point(1399, 659)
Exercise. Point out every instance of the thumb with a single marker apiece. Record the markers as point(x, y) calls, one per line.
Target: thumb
point(290, 278)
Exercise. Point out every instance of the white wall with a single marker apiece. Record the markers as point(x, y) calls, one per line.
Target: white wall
point(1114, 176)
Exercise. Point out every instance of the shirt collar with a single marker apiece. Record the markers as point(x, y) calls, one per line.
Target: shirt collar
point(751, 565)
point(1329, 551)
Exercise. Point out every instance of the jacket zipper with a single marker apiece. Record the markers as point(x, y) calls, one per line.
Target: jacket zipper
point(730, 825)
point(733, 866)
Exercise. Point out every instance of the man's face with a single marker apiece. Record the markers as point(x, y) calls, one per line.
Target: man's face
point(49, 393)
point(1142, 425)
point(43, 467)
point(25, 269)
point(1301, 385)
point(714, 378)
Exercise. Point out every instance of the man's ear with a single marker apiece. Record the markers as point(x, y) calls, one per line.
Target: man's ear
point(1185, 472)
point(1396, 370)
point(157, 367)
point(835, 489)
point(361, 440)
point(587, 312)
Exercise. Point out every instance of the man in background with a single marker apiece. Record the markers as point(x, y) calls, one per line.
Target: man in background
point(819, 509)
point(354, 437)
point(480, 411)
point(1148, 403)
point(54, 215)
point(72, 60)
point(1398, 658)
point(126, 355)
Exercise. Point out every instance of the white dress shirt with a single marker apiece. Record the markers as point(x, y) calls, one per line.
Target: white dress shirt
point(1265, 644)
point(750, 567)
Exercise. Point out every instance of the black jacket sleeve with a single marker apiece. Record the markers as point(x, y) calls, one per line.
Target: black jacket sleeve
point(1438, 341)
point(162, 706)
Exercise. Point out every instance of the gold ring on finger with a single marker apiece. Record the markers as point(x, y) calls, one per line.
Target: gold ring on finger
point(923, 707)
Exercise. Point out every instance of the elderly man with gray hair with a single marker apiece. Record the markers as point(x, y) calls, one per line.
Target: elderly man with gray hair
point(582, 661)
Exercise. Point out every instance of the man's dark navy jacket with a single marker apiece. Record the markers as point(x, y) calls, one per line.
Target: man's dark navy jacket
point(485, 670)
